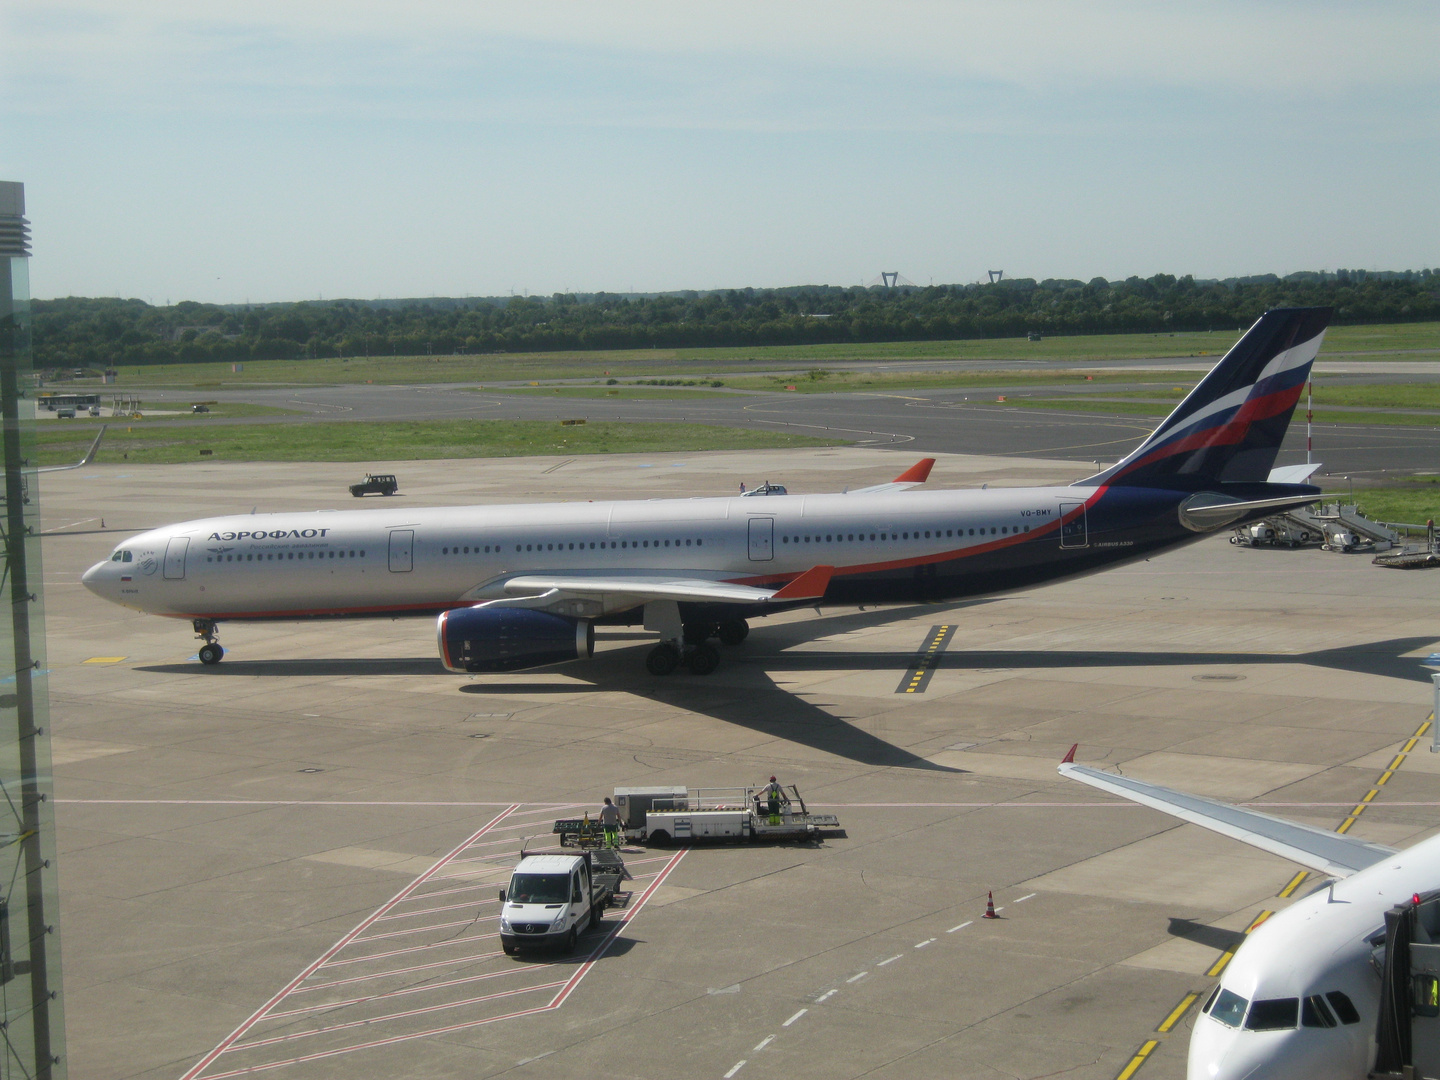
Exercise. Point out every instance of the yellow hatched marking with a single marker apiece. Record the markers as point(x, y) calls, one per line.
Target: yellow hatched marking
point(1138, 1060)
point(1258, 920)
point(1177, 1012)
point(1359, 809)
point(1295, 883)
point(1372, 793)
point(1396, 763)
point(1410, 745)
point(103, 660)
point(1219, 965)
point(1385, 778)
point(1345, 825)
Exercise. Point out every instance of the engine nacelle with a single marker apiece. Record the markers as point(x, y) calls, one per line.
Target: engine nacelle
point(508, 639)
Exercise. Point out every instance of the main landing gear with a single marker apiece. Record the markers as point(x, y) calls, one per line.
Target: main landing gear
point(697, 654)
point(210, 652)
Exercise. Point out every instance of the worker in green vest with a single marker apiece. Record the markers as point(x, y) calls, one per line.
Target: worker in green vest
point(774, 796)
point(610, 822)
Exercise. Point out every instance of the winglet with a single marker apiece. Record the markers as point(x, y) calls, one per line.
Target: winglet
point(810, 585)
point(1069, 758)
point(917, 473)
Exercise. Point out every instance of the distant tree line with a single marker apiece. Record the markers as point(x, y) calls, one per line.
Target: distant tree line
point(91, 332)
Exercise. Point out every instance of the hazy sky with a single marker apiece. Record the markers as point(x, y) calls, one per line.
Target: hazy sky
point(179, 149)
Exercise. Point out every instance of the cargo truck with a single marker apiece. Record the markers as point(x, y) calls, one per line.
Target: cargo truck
point(552, 899)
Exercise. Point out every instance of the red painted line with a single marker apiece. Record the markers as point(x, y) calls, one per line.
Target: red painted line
point(392, 1040)
point(452, 962)
point(406, 952)
point(422, 929)
point(437, 910)
point(229, 1040)
point(409, 990)
point(553, 1004)
point(394, 1016)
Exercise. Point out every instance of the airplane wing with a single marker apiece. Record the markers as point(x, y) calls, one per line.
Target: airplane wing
point(1207, 511)
point(1319, 849)
point(89, 457)
point(911, 477)
point(616, 592)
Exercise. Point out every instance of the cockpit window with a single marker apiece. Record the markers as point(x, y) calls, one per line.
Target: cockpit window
point(1343, 1006)
point(1315, 1013)
point(123, 556)
point(1229, 1008)
point(1273, 1014)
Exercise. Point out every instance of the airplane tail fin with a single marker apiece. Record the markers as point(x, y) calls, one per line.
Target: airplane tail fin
point(1230, 427)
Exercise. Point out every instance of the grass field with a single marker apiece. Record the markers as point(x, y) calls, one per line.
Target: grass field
point(141, 444)
point(1407, 337)
point(1413, 502)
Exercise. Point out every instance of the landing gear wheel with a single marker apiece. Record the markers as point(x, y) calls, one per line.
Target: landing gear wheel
point(697, 633)
point(663, 659)
point(703, 659)
point(734, 631)
point(210, 653)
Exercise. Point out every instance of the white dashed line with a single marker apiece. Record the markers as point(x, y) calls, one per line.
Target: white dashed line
point(1022, 899)
point(799, 1014)
point(827, 994)
point(892, 959)
point(735, 1068)
point(922, 944)
point(766, 1041)
point(960, 927)
point(856, 978)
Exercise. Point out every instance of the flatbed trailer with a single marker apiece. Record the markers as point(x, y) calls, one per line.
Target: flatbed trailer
point(665, 815)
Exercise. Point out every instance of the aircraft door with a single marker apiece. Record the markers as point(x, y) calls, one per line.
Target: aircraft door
point(1072, 532)
point(402, 551)
point(175, 558)
point(762, 539)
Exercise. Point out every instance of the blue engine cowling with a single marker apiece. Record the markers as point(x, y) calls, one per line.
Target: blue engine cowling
point(508, 639)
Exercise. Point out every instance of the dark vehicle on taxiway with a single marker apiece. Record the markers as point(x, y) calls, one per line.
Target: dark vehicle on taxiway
point(376, 484)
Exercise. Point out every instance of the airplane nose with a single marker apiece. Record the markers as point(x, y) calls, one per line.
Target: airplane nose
point(93, 578)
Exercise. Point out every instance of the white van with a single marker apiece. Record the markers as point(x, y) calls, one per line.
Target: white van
point(551, 901)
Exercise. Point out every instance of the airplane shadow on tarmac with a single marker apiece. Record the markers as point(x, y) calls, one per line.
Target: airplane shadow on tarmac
point(747, 696)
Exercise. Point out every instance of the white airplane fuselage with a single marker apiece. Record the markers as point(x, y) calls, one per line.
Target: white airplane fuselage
point(1315, 947)
point(395, 560)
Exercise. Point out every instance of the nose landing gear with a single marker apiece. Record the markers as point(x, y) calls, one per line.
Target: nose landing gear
point(210, 652)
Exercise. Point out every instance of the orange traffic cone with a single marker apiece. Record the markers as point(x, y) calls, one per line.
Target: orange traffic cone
point(990, 907)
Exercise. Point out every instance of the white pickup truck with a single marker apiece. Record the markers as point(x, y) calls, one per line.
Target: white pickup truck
point(553, 899)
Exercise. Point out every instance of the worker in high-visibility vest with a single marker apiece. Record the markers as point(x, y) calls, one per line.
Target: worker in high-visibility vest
point(610, 822)
point(774, 796)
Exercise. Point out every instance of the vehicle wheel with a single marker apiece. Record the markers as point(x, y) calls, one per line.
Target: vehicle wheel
point(210, 653)
point(597, 916)
point(658, 838)
point(663, 659)
point(510, 950)
point(703, 659)
point(571, 940)
point(734, 631)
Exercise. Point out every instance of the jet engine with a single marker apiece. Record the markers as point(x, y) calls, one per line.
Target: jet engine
point(508, 639)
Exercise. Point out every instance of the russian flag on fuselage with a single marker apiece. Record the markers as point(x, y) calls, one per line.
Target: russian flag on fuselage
point(1230, 427)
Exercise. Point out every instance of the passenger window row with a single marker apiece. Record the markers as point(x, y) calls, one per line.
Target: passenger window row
point(1281, 1014)
point(476, 549)
point(287, 556)
point(832, 538)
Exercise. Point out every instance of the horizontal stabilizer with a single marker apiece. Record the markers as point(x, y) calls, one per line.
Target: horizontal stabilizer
point(1293, 474)
point(916, 474)
point(1208, 510)
point(1318, 849)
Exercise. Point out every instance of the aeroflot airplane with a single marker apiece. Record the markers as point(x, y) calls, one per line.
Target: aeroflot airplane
point(524, 585)
point(1301, 999)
